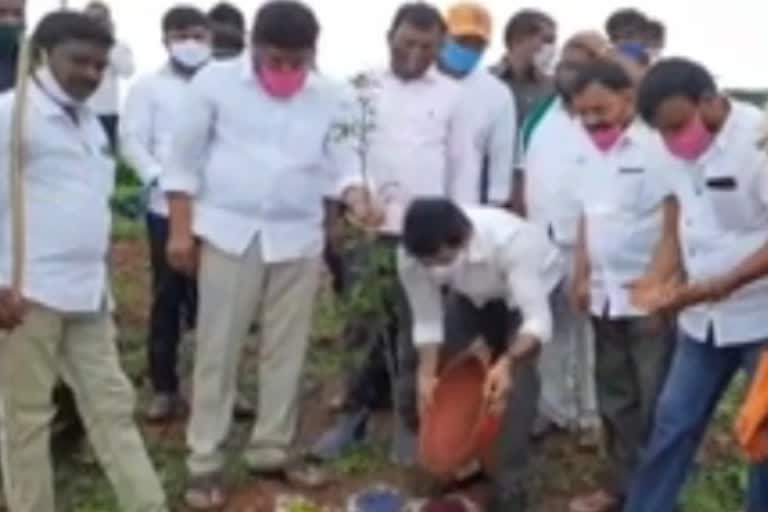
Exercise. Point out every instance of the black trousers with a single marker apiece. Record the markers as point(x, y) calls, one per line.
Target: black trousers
point(174, 302)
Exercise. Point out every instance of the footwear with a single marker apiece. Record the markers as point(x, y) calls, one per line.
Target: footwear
point(276, 463)
point(508, 502)
point(405, 445)
point(205, 493)
point(598, 501)
point(349, 429)
point(243, 410)
point(165, 407)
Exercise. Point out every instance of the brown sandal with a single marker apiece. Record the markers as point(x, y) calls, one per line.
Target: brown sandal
point(205, 493)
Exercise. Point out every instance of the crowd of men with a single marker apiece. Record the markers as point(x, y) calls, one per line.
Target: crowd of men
point(596, 216)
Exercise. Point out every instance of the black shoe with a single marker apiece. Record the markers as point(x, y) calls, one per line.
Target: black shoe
point(350, 429)
point(516, 501)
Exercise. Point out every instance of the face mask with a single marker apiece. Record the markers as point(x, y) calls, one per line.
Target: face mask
point(282, 83)
point(605, 137)
point(189, 53)
point(447, 272)
point(459, 58)
point(692, 141)
point(543, 58)
point(9, 36)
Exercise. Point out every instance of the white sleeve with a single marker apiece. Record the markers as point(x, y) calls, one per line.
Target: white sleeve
point(464, 159)
point(122, 60)
point(190, 139)
point(136, 133)
point(424, 298)
point(501, 151)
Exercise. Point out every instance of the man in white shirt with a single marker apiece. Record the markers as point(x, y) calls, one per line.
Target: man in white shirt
point(260, 144)
point(626, 215)
point(488, 101)
point(151, 109)
point(105, 101)
point(499, 272)
point(59, 322)
point(721, 183)
point(420, 144)
point(228, 25)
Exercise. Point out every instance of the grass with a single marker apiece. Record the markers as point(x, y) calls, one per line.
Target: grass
point(717, 487)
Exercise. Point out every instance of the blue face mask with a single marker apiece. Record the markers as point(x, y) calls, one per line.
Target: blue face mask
point(458, 58)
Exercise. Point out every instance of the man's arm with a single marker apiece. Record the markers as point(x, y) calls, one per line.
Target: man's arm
point(667, 263)
point(136, 133)
point(464, 161)
point(501, 152)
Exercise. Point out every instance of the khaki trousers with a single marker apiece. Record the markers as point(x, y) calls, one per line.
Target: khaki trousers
point(234, 291)
point(82, 350)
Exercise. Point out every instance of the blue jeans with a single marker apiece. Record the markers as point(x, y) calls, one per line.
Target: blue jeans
point(699, 376)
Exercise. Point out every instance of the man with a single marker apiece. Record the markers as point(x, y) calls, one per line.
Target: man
point(626, 26)
point(260, 232)
point(530, 37)
point(499, 271)
point(150, 111)
point(551, 138)
point(106, 98)
point(721, 183)
point(12, 15)
point(60, 323)
point(421, 144)
point(627, 213)
point(489, 102)
point(228, 25)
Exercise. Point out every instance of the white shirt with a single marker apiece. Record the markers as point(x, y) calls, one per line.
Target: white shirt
point(259, 165)
point(723, 221)
point(551, 163)
point(148, 118)
point(68, 179)
point(106, 98)
point(507, 258)
point(621, 193)
point(421, 143)
point(491, 109)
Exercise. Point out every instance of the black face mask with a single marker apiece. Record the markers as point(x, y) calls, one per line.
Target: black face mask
point(565, 78)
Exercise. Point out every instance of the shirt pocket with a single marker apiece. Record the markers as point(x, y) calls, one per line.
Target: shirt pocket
point(629, 189)
point(729, 202)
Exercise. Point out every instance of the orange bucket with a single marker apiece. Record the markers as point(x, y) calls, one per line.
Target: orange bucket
point(458, 428)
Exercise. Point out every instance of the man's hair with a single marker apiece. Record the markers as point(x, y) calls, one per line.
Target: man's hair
point(433, 223)
point(97, 4)
point(625, 22)
point(606, 73)
point(62, 26)
point(183, 17)
point(655, 30)
point(421, 15)
point(286, 24)
point(224, 13)
point(669, 78)
point(526, 23)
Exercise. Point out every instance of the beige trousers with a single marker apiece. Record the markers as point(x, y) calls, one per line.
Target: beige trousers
point(234, 291)
point(82, 350)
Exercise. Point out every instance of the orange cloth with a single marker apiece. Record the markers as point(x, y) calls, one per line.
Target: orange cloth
point(752, 423)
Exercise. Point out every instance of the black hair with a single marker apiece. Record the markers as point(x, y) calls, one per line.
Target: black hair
point(421, 15)
point(432, 223)
point(625, 22)
point(62, 26)
point(655, 30)
point(224, 13)
point(286, 24)
point(525, 23)
point(673, 77)
point(608, 74)
point(183, 17)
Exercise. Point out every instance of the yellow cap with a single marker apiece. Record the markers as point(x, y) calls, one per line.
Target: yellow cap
point(469, 19)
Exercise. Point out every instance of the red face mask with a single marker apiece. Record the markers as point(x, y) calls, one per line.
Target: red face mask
point(691, 141)
point(282, 83)
point(605, 137)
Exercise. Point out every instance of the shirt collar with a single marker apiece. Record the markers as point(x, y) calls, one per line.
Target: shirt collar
point(45, 103)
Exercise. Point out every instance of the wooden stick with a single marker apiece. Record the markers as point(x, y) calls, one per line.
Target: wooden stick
point(17, 150)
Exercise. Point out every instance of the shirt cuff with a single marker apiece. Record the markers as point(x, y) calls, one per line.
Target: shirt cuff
point(427, 334)
point(537, 328)
point(179, 182)
point(349, 180)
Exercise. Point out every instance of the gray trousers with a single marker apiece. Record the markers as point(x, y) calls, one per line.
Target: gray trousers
point(494, 322)
point(632, 359)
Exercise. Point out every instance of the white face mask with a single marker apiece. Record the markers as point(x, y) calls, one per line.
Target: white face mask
point(544, 59)
point(444, 274)
point(190, 53)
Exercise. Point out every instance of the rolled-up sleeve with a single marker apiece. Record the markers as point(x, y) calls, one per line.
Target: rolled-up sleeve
point(190, 140)
point(528, 285)
point(425, 300)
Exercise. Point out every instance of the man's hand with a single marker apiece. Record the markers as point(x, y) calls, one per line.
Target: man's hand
point(498, 382)
point(580, 294)
point(12, 309)
point(363, 209)
point(183, 254)
point(652, 295)
point(427, 382)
